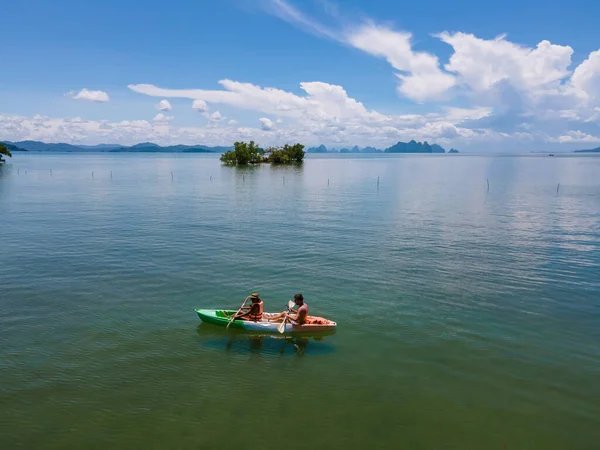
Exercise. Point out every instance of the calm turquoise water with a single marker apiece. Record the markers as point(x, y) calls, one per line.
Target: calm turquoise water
point(467, 319)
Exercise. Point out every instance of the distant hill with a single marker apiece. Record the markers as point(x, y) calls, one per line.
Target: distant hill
point(354, 149)
point(320, 149)
point(593, 150)
point(36, 146)
point(414, 147)
point(400, 147)
point(453, 150)
point(150, 147)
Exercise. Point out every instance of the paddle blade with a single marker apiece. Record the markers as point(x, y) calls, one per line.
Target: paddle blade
point(291, 304)
point(281, 326)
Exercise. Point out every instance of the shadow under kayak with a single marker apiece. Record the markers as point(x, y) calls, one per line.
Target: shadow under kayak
point(222, 317)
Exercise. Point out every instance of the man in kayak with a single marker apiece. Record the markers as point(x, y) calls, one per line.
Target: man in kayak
point(253, 312)
point(301, 315)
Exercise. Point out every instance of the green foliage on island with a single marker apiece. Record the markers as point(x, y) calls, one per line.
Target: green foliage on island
point(250, 153)
point(4, 151)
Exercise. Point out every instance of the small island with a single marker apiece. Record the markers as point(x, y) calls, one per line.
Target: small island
point(250, 153)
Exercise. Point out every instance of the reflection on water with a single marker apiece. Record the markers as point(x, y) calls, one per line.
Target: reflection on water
point(240, 341)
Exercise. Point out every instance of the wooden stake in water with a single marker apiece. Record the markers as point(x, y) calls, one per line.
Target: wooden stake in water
point(557, 188)
point(488, 183)
point(111, 174)
point(92, 175)
point(283, 180)
point(50, 172)
point(328, 182)
point(171, 176)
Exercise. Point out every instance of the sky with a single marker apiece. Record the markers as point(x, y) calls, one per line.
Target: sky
point(478, 76)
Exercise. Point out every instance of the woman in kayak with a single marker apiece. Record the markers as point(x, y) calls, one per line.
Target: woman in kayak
point(253, 312)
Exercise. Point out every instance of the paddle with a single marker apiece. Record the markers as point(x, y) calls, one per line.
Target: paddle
point(281, 326)
point(238, 311)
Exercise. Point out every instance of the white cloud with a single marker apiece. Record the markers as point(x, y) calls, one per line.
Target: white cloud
point(309, 132)
point(198, 105)
point(90, 96)
point(287, 12)
point(481, 64)
point(164, 105)
point(160, 117)
point(421, 78)
point(266, 124)
point(216, 116)
point(232, 122)
point(576, 136)
point(586, 78)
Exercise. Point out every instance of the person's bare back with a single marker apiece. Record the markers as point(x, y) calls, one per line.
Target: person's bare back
point(302, 314)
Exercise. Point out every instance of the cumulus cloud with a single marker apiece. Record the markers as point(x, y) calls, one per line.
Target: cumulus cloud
point(420, 75)
point(266, 124)
point(198, 105)
point(576, 136)
point(232, 122)
point(77, 130)
point(160, 117)
point(90, 96)
point(586, 78)
point(164, 105)
point(216, 116)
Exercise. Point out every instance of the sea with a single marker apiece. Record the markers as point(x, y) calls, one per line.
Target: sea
point(466, 291)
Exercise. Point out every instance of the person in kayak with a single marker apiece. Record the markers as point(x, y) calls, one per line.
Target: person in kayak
point(253, 312)
point(301, 315)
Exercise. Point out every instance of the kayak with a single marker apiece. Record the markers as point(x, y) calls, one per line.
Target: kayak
point(221, 317)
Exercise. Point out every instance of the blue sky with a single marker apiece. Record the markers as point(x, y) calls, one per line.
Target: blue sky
point(473, 75)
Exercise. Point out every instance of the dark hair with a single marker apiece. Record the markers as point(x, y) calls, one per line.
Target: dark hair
point(299, 297)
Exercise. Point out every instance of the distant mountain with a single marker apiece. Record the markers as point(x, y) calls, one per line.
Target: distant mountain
point(414, 147)
point(35, 146)
point(453, 150)
point(320, 149)
point(355, 149)
point(593, 150)
point(153, 148)
point(146, 147)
